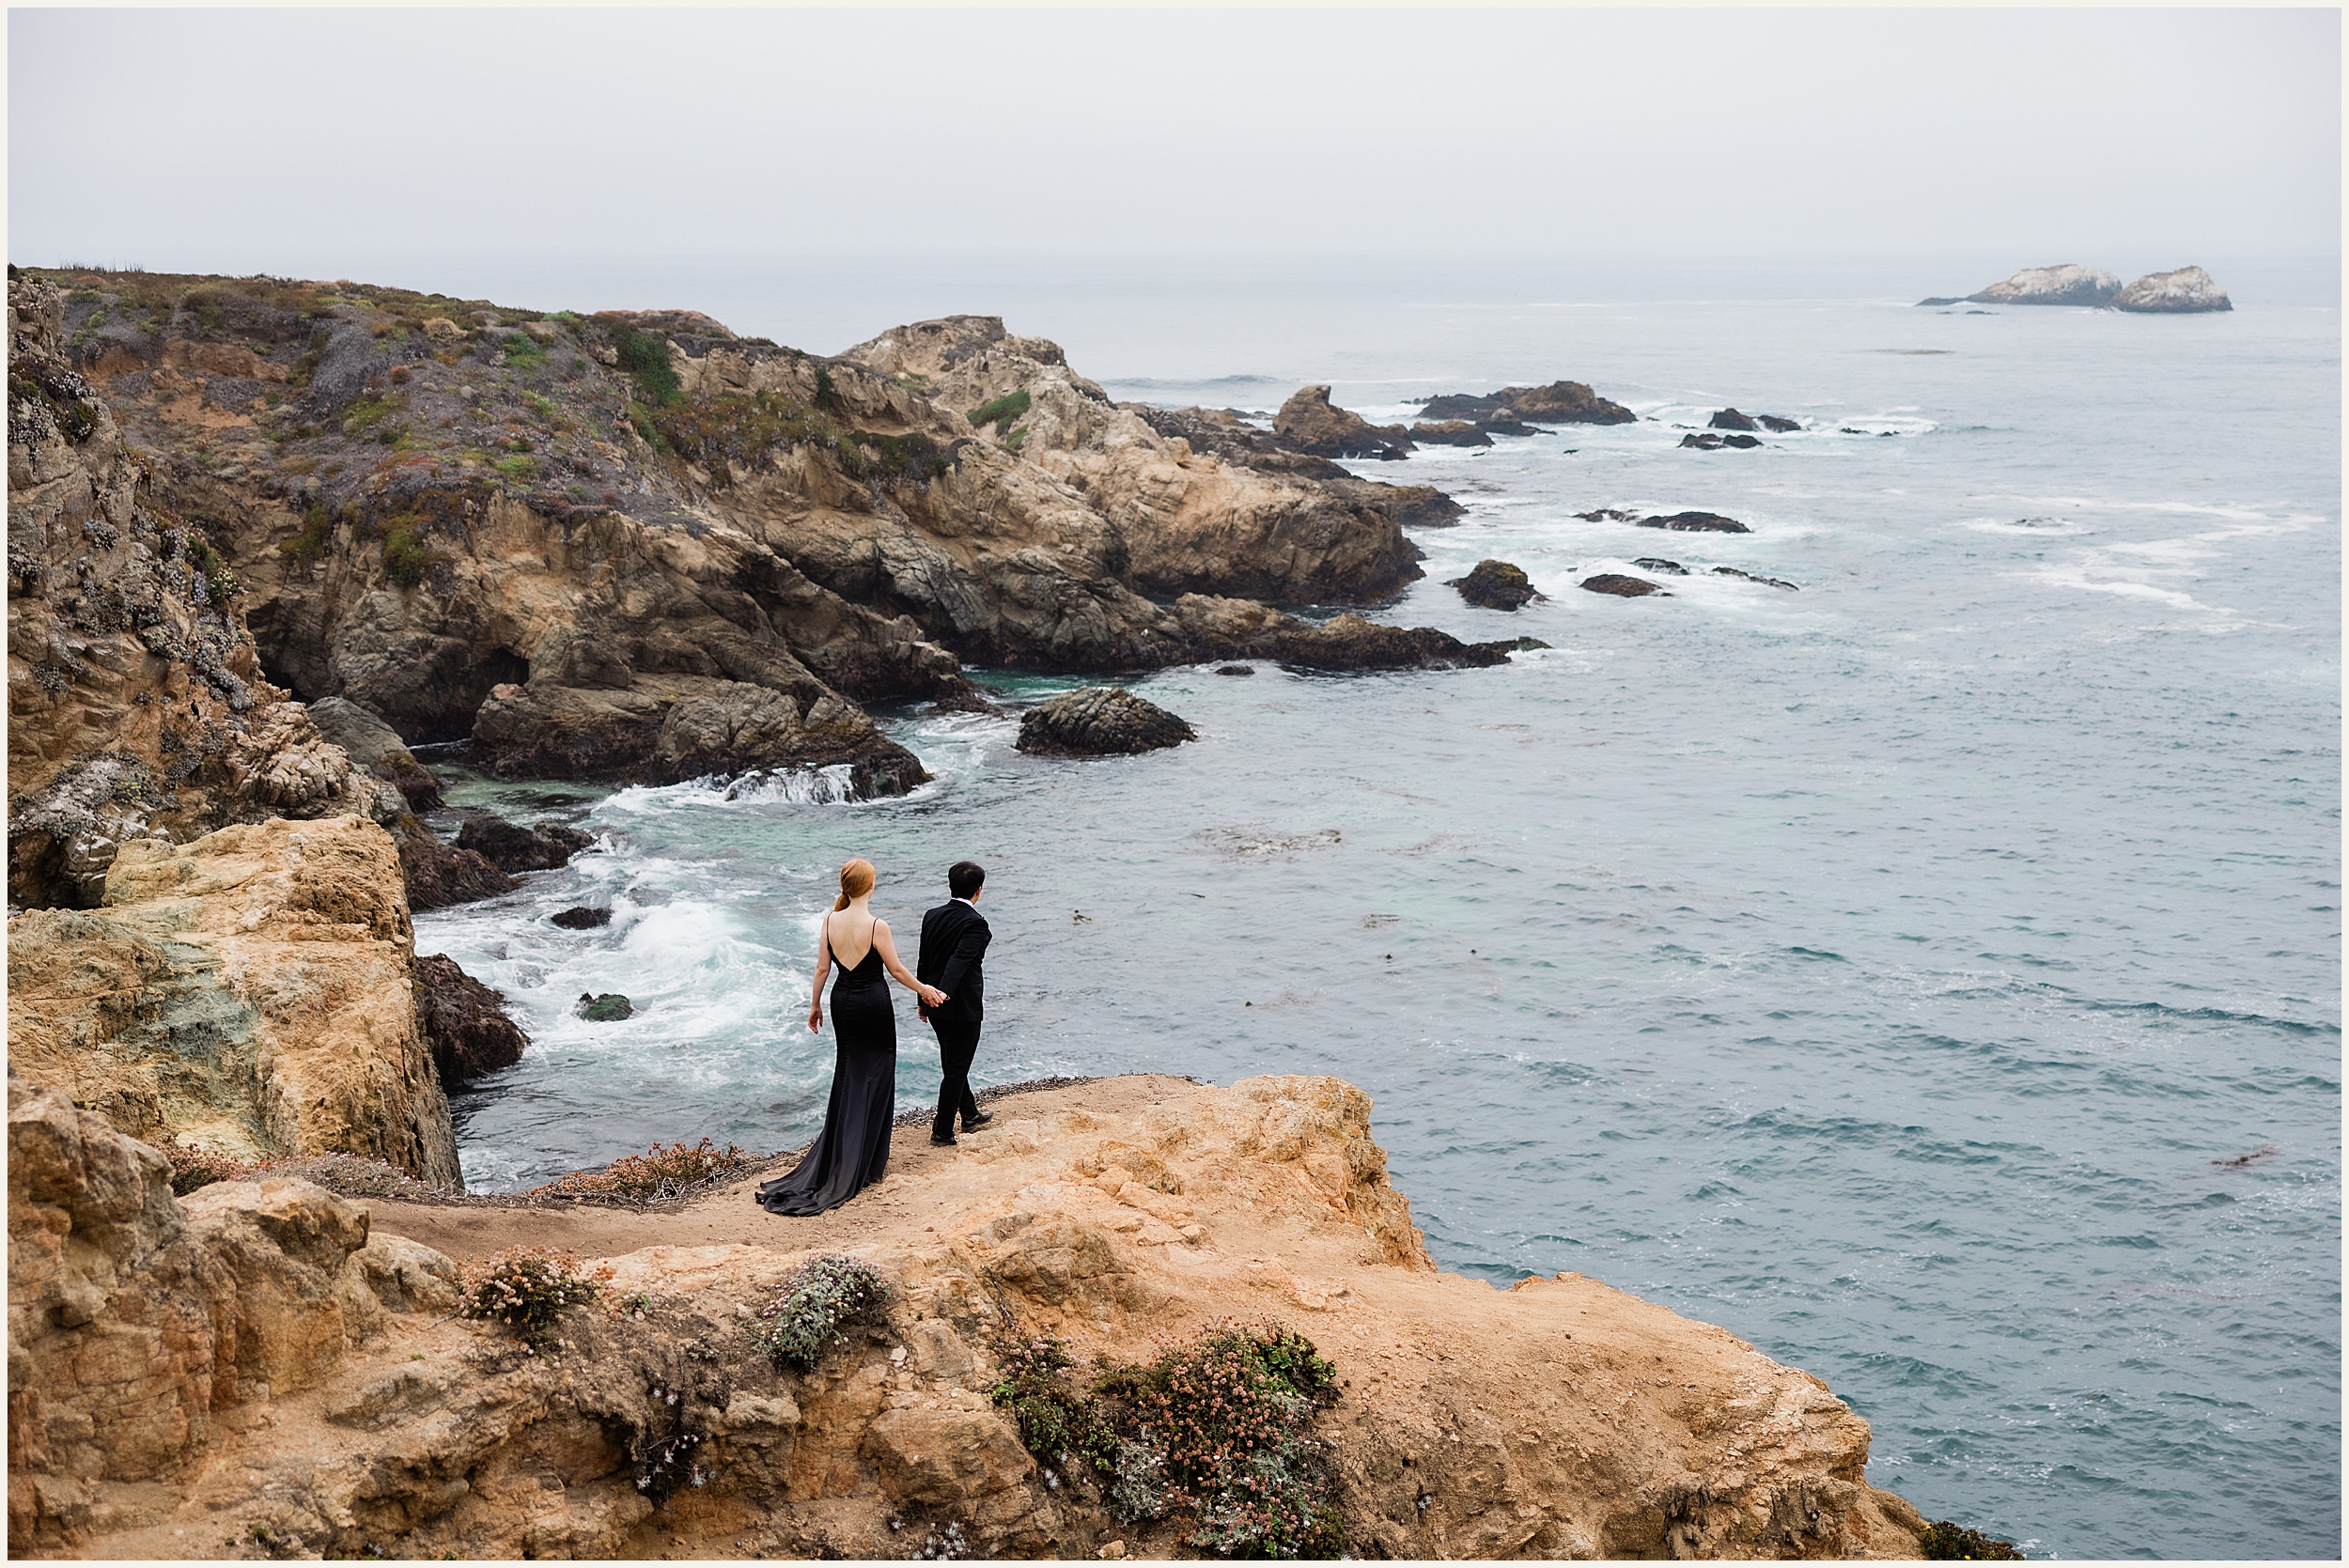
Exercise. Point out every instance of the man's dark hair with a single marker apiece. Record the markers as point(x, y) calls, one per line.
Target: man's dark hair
point(965, 877)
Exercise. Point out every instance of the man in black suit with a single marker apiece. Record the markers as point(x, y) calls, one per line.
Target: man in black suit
point(954, 940)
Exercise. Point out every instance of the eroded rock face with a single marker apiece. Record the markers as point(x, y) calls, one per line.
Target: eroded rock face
point(1311, 423)
point(1109, 1222)
point(1099, 720)
point(2065, 284)
point(2188, 290)
point(136, 703)
point(1497, 585)
point(465, 1022)
point(375, 745)
point(1450, 432)
point(1565, 403)
point(248, 992)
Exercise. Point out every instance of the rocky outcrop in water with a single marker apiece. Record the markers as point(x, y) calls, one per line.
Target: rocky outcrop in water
point(1099, 720)
point(2064, 284)
point(255, 1328)
point(465, 1022)
point(581, 917)
point(1749, 577)
point(1496, 585)
point(1620, 585)
point(1311, 423)
point(513, 849)
point(1729, 419)
point(2189, 290)
point(1695, 522)
point(1450, 432)
point(1706, 440)
point(248, 992)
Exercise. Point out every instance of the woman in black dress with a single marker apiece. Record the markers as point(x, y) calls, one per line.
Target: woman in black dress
point(852, 1151)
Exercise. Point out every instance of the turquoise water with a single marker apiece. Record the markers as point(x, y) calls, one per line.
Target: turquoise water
point(1881, 970)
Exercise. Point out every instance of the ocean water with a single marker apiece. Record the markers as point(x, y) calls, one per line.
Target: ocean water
point(1896, 971)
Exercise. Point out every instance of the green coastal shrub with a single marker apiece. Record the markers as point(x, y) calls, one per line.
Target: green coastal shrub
point(818, 1300)
point(407, 559)
point(1946, 1542)
point(645, 357)
point(1000, 411)
point(1218, 1428)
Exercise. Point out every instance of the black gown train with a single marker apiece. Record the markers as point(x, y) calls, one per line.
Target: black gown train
point(852, 1151)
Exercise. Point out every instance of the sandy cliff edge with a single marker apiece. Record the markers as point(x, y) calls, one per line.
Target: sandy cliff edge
point(1558, 1418)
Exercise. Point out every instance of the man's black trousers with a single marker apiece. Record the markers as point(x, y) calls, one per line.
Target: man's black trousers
point(957, 1043)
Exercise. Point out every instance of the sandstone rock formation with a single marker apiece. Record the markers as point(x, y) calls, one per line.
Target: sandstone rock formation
point(2186, 291)
point(1099, 720)
point(465, 1022)
point(299, 1388)
point(1185, 521)
point(247, 992)
point(1311, 423)
point(1496, 585)
point(1226, 434)
point(1621, 586)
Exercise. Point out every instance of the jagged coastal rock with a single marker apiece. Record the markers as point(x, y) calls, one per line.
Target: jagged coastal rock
point(1311, 423)
point(265, 1326)
point(1496, 585)
point(465, 1021)
point(249, 992)
point(376, 746)
point(1099, 720)
point(2186, 291)
point(513, 849)
point(1706, 440)
point(1729, 419)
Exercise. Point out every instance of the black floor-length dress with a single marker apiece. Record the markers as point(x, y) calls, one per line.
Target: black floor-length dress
point(852, 1151)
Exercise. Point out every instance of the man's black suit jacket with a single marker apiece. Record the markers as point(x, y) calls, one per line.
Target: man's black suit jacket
point(954, 940)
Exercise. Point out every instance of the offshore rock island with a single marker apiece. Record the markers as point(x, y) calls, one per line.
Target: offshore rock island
point(269, 538)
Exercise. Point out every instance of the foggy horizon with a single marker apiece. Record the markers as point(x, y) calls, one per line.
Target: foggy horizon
point(399, 148)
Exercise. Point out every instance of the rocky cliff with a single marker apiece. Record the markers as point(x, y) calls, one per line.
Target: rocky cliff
point(250, 992)
point(264, 1369)
point(639, 545)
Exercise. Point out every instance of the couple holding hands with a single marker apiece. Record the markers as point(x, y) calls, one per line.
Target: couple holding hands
point(852, 1151)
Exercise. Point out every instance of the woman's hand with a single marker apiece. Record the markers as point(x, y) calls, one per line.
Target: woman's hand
point(815, 1018)
point(933, 997)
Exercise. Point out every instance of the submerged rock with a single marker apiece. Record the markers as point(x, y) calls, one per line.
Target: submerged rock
point(1765, 581)
point(1621, 586)
point(1696, 522)
point(608, 1007)
point(1496, 585)
point(1099, 720)
point(2186, 291)
point(465, 1021)
point(1705, 441)
point(1310, 422)
point(579, 917)
point(1235, 670)
point(1652, 562)
point(512, 847)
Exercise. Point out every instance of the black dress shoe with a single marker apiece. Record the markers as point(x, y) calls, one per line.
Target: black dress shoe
point(973, 1123)
point(938, 1142)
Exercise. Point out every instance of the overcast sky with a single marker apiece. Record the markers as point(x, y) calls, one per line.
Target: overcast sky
point(356, 143)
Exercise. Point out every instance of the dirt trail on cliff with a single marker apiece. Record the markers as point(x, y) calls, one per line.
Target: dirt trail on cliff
point(919, 1192)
